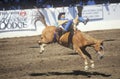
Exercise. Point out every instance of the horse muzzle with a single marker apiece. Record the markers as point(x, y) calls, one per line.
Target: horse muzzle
point(101, 57)
point(39, 42)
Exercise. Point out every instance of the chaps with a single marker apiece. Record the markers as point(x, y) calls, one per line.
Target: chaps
point(70, 39)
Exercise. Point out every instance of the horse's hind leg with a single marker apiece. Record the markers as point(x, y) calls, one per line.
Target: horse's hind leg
point(42, 48)
point(78, 50)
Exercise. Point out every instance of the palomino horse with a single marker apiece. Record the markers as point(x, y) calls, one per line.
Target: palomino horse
point(79, 41)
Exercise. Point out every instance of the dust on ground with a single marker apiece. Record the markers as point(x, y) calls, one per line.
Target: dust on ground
point(20, 59)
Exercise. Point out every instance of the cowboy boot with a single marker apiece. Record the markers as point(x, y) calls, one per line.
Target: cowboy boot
point(85, 22)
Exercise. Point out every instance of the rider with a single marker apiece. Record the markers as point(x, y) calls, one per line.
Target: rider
point(66, 24)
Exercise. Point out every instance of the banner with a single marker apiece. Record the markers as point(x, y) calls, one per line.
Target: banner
point(94, 12)
point(17, 20)
point(24, 20)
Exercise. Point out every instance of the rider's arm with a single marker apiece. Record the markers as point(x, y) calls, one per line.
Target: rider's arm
point(61, 22)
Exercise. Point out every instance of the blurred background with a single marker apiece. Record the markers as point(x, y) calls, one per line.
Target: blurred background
point(28, 4)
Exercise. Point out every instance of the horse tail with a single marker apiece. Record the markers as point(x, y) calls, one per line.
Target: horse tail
point(41, 17)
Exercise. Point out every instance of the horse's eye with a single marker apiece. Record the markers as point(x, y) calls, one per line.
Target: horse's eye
point(102, 44)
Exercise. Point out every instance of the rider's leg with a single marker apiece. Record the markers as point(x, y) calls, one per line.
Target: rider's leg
point(70, 44)
point(68, 25)
point(65, 27)
point(83, 20)
point(80, 8)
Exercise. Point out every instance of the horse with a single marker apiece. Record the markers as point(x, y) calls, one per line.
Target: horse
point(79, 41)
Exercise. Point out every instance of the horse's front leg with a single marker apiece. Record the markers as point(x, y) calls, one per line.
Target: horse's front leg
point(92, 64)
point(78, 50)
point(89, 56)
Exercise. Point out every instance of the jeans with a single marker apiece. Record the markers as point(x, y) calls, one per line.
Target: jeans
point(68, 25)
point(81, 19)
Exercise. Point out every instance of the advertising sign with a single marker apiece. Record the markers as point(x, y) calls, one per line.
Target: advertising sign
point(94, 12)
point(16, 20)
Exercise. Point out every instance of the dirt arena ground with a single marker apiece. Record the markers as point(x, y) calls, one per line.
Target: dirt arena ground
point(20, 59)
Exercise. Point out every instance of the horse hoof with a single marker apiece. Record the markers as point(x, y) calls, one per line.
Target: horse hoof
point(92, 66)
point(86, 68)
point(41, 51)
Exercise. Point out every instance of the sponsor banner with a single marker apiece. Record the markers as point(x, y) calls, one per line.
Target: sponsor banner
point(24, 20)
point(93, 12)
point(16, 20)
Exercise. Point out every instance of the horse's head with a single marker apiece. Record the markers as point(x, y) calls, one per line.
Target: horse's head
point(99, 48)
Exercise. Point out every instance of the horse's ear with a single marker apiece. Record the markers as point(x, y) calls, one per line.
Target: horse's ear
point(102, 42)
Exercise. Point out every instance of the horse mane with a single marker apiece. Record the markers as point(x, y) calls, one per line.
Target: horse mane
point(41, 17)
point(88, 37)
point(91, 40)
point(85, 39)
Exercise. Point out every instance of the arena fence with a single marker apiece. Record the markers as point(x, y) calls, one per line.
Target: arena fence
point(17, 23)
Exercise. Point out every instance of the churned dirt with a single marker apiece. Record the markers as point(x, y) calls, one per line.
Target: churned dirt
point(20, 59)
